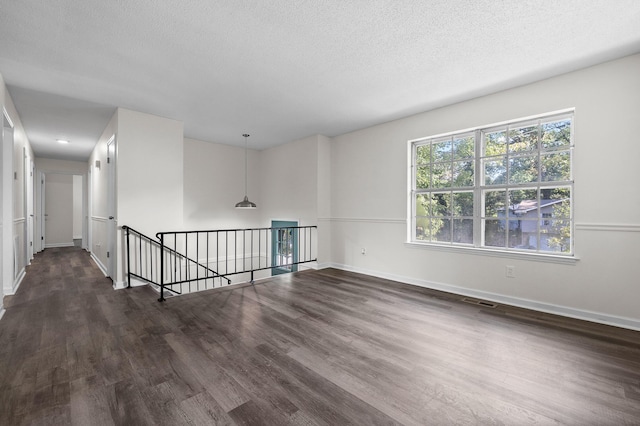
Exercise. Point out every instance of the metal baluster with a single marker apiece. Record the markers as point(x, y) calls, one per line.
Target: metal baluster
point(205, 281)
point(150, 258)
point(197, 261)
point(185, 260)
point(128, 258)
point(161, 268)
point(251, 250)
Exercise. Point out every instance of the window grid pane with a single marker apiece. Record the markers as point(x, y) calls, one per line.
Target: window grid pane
point(444, 212)
point(523, 187)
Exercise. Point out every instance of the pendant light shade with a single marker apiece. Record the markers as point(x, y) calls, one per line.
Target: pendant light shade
point(245, 204)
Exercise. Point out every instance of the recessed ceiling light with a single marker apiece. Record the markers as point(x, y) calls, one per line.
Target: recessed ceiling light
point(62, 141)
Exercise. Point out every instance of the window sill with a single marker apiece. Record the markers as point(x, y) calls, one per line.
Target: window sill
point(536, 257)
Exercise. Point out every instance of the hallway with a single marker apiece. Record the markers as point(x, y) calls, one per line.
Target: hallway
point(316, 347)
point(54, 339)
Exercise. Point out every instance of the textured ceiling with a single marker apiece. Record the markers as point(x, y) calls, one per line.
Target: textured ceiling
point(282, 70)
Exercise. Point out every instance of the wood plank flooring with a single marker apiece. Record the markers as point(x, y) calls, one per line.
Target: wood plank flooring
point(313, 348)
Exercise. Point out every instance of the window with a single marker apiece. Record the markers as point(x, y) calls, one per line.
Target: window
point(506, 187)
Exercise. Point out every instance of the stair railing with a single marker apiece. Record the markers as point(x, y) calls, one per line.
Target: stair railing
point(148, 256)
point(188, 261)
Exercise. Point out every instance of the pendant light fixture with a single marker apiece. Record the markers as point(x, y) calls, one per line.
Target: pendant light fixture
point(245, 204)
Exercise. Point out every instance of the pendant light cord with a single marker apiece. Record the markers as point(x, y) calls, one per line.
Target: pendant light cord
point(245, 165)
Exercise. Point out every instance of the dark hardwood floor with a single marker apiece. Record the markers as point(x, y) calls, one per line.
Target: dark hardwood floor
point(314, 348)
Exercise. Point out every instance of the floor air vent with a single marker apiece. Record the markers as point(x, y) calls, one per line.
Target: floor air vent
point(479, 302)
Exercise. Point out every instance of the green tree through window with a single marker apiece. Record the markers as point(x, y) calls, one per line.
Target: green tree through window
point(504, 187)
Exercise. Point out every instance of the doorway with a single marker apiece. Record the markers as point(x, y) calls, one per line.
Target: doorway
point(62, 207)
point(7, 251)
point(111, 208)
point(28, 202)
point(284, 247)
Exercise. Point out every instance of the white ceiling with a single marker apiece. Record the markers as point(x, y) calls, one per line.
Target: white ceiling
point(282, 70)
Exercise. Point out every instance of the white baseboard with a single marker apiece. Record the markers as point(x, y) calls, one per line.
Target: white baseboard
point(55, 245)
point(135, 282)
point(16, 283)
point(549, 308)
point(2, 311)
point(119, 285)
point(18, 280)
point(99, 264)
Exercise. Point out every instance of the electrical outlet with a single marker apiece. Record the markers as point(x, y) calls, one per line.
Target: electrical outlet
point(364, 251)
point(510, 271)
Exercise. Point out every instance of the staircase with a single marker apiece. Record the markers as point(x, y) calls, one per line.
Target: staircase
point(183, 262)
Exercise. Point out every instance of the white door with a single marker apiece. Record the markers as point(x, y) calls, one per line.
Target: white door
point(89, 204)
point(28, 179)
point(43, 213)
point(85, 212)
point(7, 272)
point(111, 208)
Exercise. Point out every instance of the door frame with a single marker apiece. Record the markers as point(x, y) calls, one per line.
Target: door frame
point(41, 213)
point(275, 241)
point(28, 207)
point(112, 221)
point(7, 273)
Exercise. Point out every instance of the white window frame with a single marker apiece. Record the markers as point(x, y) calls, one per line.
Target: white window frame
point(478, 247)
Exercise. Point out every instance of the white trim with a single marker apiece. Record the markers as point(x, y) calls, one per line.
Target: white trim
point(2, 311)
point(565, 311)
point(119, 285)
point(16, 283)
point(610, 227)
point(480, 188)
point(55, 245)
point(99, 264)
point(136, 282)
point(63, 172)
point(481, 251)
point(613, 227)
point(7, 116)
point(363, 220)
point(308, 266)
point(7, 268)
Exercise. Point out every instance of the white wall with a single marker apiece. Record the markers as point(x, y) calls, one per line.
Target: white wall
point(14, 224)
point(294, 185)
point(97, 189)
point(78, 171)
point(369, 199)
point(289, 182)
point(59, 210)
point(324, 200)
point(6, 207)
point(149, 172)
point(3, 172)
point(283, 181)
point(214, 183)
point(51, 165)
